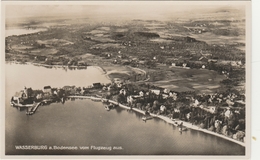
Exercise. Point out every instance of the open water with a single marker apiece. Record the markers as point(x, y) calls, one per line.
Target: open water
point(84, 123)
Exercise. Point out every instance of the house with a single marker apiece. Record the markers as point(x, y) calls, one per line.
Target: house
point(117, 80)
point(233, 63)
point(47, 89)
point(209, 109)
point(176, 110)
point(39, 96)
point(166, 91)
point(230, 102)
point(141, 93)
point(82, 63)
point(119, 84)
point(228, 113)
point(97, 85)
point(212, 109)
point(239, 63)
point(196, 103)
point(40, 58)
point(213, 60)
point(55, 92)
point(122, 91)
point(134, 59)
point(165, 96)
point(125, 62)
point(203, 59)
point(173, 95)
point(189, 39)
point(162, 108)
point(68, 88)
point(239, 103)
point(57, 63)
point(72, 62)
point(155, 91)
point(130, 100)
point(141, 62)
point(20, 94)
point(115, 61)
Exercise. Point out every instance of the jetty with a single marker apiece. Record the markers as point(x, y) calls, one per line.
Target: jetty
point(20, 106)
point(32, 110)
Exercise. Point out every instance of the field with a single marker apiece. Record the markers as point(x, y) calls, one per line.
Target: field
point(138, 50)
point(198, 80)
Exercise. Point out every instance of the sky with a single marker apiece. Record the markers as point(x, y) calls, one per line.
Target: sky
point(134, 11)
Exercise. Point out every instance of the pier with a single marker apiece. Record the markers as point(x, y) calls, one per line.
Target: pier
point(32, 110)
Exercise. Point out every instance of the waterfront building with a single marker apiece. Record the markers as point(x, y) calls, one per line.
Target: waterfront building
point(47, 89)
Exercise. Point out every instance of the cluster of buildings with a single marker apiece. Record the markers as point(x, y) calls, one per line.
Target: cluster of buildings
point(223, 113)
point(30, 96)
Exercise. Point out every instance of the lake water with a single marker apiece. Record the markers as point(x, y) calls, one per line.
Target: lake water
point(21, 31)
point(86, 123)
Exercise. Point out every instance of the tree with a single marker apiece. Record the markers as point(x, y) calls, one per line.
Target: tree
point(121, 98)
point(29, 92)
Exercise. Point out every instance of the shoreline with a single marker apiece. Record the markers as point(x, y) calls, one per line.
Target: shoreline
point(46, 65)
point(100, 68)
point(103, 71)
point(166, 119)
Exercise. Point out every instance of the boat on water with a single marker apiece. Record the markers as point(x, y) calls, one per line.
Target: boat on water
point(182, 129)
point(29, 113)
point(47, 101)
point(180, 125)
point(176, 124)
point(144, 118)
point(107, 108)
point(110, 106)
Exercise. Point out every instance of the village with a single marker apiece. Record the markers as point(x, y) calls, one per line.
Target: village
point(180, 79)
point(222, 113)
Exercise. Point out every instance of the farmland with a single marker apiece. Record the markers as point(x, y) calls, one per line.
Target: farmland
point(185, 55)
